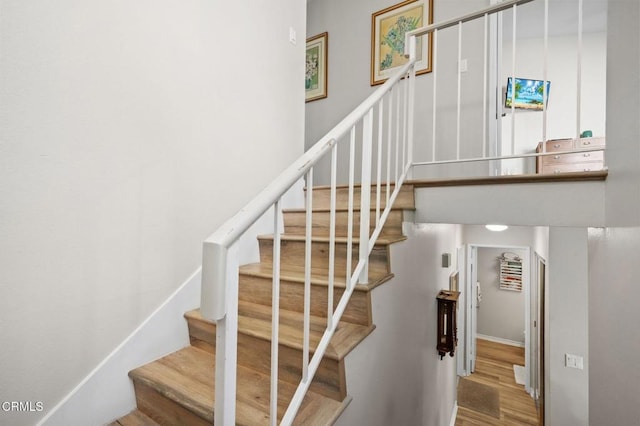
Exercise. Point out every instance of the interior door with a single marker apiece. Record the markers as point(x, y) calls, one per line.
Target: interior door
point(461, 350)
point(540, 337)
point(471, 307)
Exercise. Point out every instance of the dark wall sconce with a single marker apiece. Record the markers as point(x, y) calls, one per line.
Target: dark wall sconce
point(447, 329)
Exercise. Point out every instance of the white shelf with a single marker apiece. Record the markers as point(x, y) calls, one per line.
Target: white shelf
point(510, 273)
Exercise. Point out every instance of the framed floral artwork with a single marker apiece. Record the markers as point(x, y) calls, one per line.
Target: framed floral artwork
point(388, 28)
point(315, 79)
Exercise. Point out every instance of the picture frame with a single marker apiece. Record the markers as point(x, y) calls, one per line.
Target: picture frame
point(388, 27)
point(454, 283)
point(317, 69)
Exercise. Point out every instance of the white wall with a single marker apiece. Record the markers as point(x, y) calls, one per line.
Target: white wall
point(623, 110)
point(395, 375)
point(557, 204)
point(541, 241)
point(125, 143)
point(562, 110)
point(613, 252)
point(567, 389)
point(614, 337)
point(501, 312)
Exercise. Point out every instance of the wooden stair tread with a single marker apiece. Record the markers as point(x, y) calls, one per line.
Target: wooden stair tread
point(180, 387)
point(255, 320)
point(382, 241)
point(511, 179)
point(135, 418)
point(356, 210)
point(406, 186)
point(318, 276)
point(187, 378)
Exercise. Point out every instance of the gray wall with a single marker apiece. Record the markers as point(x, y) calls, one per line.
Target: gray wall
point(501, 312)
point(124, 145)
point(395, 376)
point(349, 28)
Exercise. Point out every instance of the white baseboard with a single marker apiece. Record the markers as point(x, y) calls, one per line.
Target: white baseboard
point(107, 392)
point(454, 414)
point(500, 340)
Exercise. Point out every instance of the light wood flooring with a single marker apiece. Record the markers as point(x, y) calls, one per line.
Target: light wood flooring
point(494, 367)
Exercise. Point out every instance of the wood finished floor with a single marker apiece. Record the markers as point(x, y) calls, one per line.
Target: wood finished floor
point(494, 367)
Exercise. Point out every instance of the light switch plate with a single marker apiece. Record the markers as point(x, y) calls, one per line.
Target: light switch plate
point(463, 65)
point(292, 36)
point(574, 361)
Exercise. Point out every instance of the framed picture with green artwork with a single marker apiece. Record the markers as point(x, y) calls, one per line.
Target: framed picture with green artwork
point(315, 79)
point(388, 28)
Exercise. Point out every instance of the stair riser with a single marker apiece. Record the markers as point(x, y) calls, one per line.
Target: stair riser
point(322, 198)
point(163, 410)
point(259, 289)
point(255, 353)
point(295, 223)
point(292, 254)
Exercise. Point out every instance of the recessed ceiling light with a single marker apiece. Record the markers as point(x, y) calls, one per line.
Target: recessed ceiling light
point(496, 228)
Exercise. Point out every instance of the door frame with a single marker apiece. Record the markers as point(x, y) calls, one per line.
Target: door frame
point(538, 292)
point(471, 323)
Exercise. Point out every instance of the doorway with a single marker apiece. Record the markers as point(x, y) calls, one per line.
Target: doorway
point(495, 353)
point(539, 324)
point(497, 312)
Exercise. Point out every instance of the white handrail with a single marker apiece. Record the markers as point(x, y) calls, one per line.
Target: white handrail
point(219, 293)
point(220, 252)
point(498, 7)
point(217, 245)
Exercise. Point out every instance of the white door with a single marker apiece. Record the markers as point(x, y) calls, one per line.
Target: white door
point(471, 308)
point(461, 324)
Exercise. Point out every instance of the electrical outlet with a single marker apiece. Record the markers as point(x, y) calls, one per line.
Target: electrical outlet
point(574, 361)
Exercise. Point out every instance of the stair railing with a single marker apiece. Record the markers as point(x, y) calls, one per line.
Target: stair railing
point(501, 153)
point(391, 106)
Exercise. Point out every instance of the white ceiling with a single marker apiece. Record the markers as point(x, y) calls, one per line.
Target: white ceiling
point(563, 17)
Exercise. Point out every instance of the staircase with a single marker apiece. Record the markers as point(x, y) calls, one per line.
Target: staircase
point(178, 389)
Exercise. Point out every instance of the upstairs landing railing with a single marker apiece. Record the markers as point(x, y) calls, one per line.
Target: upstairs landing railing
point(383, 123)
point(506, 154)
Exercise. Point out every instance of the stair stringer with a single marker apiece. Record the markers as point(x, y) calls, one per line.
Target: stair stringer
point(107, 393)
point(395, 375)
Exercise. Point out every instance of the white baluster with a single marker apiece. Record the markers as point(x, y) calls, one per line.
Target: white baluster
point(275, 315)
point(365, 194)
point(307, 276)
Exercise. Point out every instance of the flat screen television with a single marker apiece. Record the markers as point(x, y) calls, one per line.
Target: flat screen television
point(528, 94)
